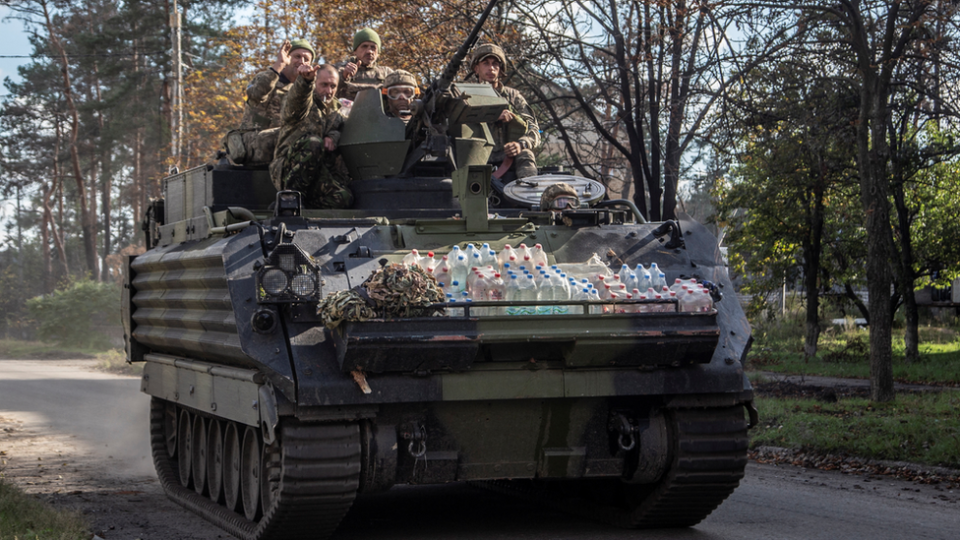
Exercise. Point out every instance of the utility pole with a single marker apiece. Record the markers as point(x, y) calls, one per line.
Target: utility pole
point(19, 236)
point(176, 119)
point(21, 301)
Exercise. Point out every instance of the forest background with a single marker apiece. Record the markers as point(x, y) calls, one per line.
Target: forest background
point(819, 138)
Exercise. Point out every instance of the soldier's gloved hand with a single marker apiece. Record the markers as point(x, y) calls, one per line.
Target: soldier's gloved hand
point(329, 144)
point(512, 149)
point(349, 70)
point(283, 57)
point(308, 72)
point(505, 116)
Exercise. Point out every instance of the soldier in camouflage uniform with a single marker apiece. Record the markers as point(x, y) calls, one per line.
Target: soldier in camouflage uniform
point(361, 71)
point(256, 138)
point(516, 132)
point(306, 159)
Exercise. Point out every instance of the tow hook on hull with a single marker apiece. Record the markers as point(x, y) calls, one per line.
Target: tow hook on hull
point(627, 439)
point(753, 413)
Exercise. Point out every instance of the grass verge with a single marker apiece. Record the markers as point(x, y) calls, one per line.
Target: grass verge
point(23, 517)
point(115, 361)
point(844, 353)
point(14, 348)
point(920, 427)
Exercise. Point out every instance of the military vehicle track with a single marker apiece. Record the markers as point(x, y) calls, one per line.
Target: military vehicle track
point(311, 479)
point(709, 457)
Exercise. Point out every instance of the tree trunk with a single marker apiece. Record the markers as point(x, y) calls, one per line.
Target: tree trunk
point(811, 271)
point(87, 220)
point(106, 179)
point(671, 168)
point(653, 92)
point(907, 275)
point(874, 196)
point(45, 253)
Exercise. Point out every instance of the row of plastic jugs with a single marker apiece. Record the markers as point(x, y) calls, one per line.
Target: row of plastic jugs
point(486, 283)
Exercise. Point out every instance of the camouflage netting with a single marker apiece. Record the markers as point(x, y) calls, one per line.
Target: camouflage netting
point(399, 291)
point(341, 306)
point(393, 291)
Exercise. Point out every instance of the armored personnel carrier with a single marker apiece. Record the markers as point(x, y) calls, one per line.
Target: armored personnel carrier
point(269, 423)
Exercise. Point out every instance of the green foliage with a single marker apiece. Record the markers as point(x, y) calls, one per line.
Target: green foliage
point(115, 361)
point(70, 316)
point(23, 517)
point(922, 428)
point(793, 149)
point(843, 352)
point(935, 198)
point(20, 349)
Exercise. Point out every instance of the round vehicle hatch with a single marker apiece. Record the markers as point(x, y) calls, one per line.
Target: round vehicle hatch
point(527, 191)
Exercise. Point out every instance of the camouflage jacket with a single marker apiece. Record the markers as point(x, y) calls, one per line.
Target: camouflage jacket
point(518, 106)
point(303, 115)
point(265, 95)
point(365, 77)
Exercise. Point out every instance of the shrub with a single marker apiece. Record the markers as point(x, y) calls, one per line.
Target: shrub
point(73, 314)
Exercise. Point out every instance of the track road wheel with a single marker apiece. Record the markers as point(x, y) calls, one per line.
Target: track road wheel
point(231, 467)
point(199, 457)
point(215, 460)
point(309, 479)
point(185, 447)
point(170, 428)
point(250, 474)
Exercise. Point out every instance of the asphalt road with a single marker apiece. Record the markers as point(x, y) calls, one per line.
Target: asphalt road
point(104, 418)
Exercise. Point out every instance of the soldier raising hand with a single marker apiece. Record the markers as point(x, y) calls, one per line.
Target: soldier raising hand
point(361, 70)
point(306, 159)
point(254, 141)
point(308, 72)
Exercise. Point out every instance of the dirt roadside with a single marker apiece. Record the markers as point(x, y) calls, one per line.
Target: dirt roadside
point(120, 498)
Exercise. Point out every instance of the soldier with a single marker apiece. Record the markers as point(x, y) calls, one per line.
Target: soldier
point(361, 71)
point(516, 131)
point(305, 158)
point(399, 90)
point(256, 138)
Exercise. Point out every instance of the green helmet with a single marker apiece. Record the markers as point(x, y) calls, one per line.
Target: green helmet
point(488, 49)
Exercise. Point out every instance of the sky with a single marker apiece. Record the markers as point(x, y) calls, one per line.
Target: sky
point(13, 42)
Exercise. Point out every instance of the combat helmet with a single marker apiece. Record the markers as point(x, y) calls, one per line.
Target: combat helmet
point(489, 49)
point(559, 196)
point(400, 77)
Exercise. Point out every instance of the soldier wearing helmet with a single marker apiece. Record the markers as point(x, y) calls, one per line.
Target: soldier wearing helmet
point(254, 141)
point(399, 90)
point(516, 132)
point(361, 71)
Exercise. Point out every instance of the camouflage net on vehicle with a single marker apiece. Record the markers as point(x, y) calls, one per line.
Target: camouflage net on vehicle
point(341, 306)
point(390, 292)
point(398, 291)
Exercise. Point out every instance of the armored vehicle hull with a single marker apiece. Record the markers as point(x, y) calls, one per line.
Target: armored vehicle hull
point(283, 386)
point(269, 424)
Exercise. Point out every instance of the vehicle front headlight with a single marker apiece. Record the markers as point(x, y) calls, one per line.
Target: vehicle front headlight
point(289, 276)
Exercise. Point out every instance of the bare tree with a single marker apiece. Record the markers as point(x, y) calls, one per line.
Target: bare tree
point(630, 85)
